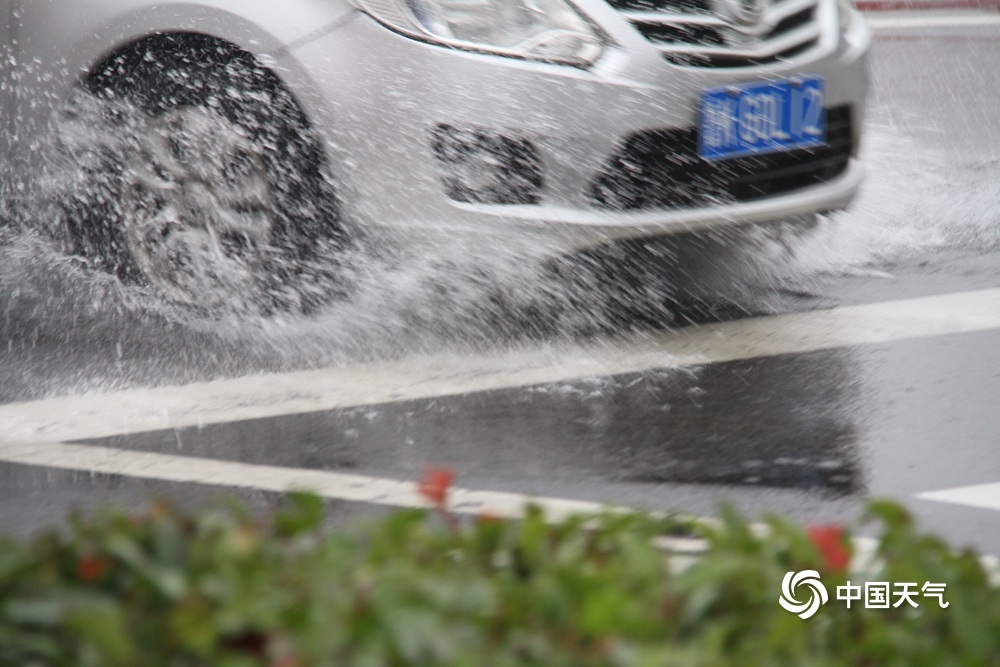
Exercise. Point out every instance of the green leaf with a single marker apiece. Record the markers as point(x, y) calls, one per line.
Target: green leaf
point(304, 515)
point(34, 612)
point(100, 624)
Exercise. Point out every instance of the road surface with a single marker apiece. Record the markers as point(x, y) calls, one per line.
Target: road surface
point(813, 371)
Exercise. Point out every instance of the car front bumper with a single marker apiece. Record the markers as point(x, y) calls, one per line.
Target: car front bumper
point(378, 98)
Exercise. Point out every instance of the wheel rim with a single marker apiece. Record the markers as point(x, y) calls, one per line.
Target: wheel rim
point(197, 208)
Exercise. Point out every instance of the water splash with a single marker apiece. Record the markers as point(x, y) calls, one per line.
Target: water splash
point(68, 324)
point(914, 201)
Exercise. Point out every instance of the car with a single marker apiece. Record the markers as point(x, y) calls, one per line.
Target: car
point(252, 133)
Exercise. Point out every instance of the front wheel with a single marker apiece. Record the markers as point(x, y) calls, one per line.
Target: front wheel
point(221, 195)
point(197, 208)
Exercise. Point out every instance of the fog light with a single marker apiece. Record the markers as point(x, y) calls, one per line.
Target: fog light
point(481, 167)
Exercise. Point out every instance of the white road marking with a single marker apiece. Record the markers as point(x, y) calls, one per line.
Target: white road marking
point(362, 488)
point(333, 485)
point(903, 21)
point(357, 488)
point(141, 410)
point(986, 496)
point(29, 431)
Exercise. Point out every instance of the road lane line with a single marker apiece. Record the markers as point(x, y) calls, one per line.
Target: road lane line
point(334, 485)
point(985, 496)
point(348, 487)
point(359, 488)
point(916, 21)
point(100, 415)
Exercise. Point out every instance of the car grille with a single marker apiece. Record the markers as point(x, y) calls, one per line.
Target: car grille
point(662, 169)
point(703, 33)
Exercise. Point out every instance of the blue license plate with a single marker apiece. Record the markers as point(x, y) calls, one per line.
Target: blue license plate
point(763, 117)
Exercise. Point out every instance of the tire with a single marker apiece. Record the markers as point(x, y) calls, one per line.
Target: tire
point(221, 194)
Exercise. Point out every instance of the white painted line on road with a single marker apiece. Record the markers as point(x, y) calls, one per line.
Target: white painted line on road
point(358, 488)
point(986, 496)
point(332, 485)
point(365, 489)
point(340, 486)
point(895, 21)
point(141, 410)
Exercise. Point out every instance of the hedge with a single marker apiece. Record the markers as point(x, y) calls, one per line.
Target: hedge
point(428, 588)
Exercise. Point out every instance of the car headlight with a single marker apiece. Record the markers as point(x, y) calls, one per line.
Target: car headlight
point(547, 30)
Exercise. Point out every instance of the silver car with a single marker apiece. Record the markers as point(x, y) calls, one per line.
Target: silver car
point(253, 132)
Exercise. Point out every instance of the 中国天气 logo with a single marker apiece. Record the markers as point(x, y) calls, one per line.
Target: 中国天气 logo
point(807, 579)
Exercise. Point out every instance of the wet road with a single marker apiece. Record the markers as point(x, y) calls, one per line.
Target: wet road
point(861, 364)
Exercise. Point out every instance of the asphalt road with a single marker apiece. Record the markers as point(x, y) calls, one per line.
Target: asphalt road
point(811, 373)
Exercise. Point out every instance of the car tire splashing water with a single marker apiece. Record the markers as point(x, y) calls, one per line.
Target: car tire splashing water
point(197, 208)
point(326, 302)
point(214, 192)
point(383, 295)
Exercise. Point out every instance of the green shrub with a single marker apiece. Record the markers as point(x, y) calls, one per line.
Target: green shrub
point(423, 588)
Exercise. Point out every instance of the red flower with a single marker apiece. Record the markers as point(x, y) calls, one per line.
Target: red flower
point(831, 543)
point(91, 568)
point(434, 486)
